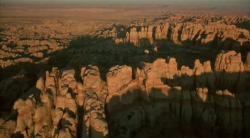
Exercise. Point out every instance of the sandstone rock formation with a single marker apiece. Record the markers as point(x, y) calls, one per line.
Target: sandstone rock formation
point(31, 44)
point(126, 106)
point(229, 62)
point(156, 98)
point(61, 103)
point(230, 70)
point(7, 128)
point(181, 31)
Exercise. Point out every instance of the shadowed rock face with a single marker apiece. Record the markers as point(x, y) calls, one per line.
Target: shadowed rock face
point(161, 100)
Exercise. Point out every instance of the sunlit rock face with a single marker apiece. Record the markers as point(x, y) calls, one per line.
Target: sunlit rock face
point(230, 66)
point(185, 99)
point(118, 77)
point(62, 103)
point(229, 62)
point(159, 96)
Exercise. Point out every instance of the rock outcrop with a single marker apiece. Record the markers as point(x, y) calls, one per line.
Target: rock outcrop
point(118, 77)
point(229, 69)
point(146, 93)
point(126, 106)
point(229, 62)
point(182, 31)
point(62, 102)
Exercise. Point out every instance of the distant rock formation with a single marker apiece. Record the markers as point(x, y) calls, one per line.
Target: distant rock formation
point(181, 32)
point(128, 105)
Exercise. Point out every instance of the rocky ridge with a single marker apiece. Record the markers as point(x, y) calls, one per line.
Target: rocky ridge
point(182, 30)
point(131, 102)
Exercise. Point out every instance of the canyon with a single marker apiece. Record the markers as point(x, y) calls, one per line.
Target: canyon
point(165, 74)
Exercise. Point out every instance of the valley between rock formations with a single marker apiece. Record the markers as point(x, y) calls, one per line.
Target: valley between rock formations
point(169, 76)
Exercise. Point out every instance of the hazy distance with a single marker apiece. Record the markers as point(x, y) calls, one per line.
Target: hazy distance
point(200, 2)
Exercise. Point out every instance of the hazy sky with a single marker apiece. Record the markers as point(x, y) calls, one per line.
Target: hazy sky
point(219, 2)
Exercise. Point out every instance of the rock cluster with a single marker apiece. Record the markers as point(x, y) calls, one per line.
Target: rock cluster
point(61, 103)
point(182, 31)
point(159, 98)
point(229, 62)
point(126, 105)
point(31, 44)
